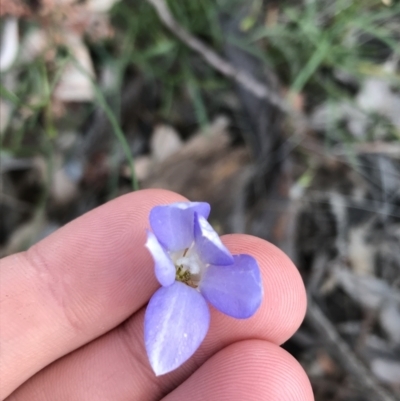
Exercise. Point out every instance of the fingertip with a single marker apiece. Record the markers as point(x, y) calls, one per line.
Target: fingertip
point(247, 370)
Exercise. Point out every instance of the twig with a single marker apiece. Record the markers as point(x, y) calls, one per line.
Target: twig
point(343, 353)
point(254, 86)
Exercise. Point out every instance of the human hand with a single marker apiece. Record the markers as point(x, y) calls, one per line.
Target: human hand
point(72, 312)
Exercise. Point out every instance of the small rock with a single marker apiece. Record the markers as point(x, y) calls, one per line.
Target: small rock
point(9, 43)
point(386, 370)
point(75, 83)
point(165, 141)
point(142, 167)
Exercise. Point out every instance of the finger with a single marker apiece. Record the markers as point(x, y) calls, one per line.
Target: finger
point(75, 285)
point(116, 364)
point(248, 370)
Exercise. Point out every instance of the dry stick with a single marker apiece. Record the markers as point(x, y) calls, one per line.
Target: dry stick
point(345, 355)
point(257, 88)
point(254, 86)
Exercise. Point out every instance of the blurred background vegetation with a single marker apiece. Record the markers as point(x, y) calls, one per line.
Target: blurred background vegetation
point(99, 98)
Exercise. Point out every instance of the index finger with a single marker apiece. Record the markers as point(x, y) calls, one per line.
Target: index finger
point(75, 285)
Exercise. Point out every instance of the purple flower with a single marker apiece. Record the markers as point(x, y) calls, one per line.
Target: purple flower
point(193, 266)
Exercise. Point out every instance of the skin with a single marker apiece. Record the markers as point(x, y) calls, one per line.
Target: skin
point(72, 310)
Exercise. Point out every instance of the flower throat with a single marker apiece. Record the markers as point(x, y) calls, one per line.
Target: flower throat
point(187, 268)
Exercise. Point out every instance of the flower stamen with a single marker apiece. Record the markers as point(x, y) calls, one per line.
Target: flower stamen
point(182, 274)
point(188, 267)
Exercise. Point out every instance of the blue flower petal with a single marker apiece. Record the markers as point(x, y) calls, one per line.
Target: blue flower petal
point(176, 322)
point(163, 266)
point(234, 290)
point(208, 244)
point(173, 224)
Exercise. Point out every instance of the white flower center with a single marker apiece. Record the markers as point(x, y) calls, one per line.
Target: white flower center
point(189, 267)
point(191, 263)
